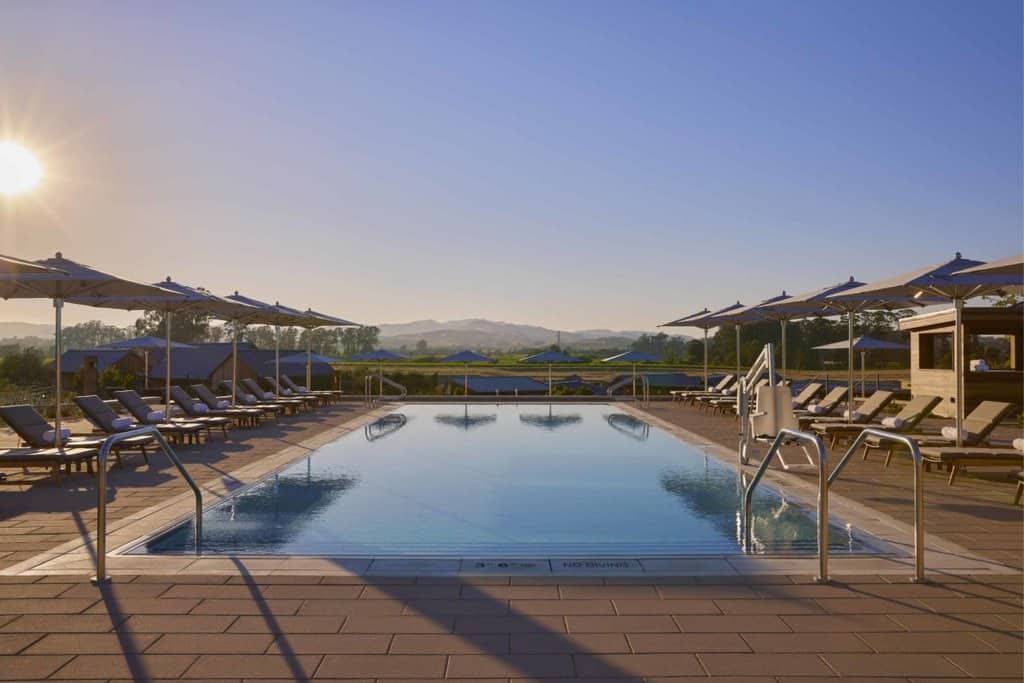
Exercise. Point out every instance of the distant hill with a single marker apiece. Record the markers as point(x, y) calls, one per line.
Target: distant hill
point(478, 333)
point(9, 330)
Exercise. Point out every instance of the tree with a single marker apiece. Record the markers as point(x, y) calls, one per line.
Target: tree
point(186, 328)
point(90, 334)
point(421, 346)
point(24, 369)
point(355, 340)
point(324, 340)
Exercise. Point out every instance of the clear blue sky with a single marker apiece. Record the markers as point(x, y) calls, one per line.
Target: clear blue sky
point(571, 164)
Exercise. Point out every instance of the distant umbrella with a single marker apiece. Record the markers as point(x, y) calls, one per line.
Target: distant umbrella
point(707, 321)
point(633, 357)
point(550, 357)
point(863, 344)
point(378, 355)
point(466, 357)
point(270, 314)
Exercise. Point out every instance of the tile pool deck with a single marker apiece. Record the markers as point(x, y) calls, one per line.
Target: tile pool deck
point(316, 619)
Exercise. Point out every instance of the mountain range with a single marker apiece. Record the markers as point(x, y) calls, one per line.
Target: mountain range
point(478, 333)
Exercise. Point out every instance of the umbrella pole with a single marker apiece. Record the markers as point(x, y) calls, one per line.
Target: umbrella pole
point(465, 387)
point(167, 360)
point(863, 374)
point(783, 345)
point(145, 377)
point(958, 368)
point(739, 365)
point(849, 367)
point(277, 360)
point(706, 387)
point(549, 380)
point(58, 304)
point(380, 379)
point(309, 359)
point(234, 365)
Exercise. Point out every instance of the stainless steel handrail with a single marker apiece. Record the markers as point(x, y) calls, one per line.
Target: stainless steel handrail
point(645, 386)
point(402, 390)
point(101, 493)
point(748, 495)
point(915, 453)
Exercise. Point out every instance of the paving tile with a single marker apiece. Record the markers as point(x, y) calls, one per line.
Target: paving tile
point(30, 667)
point(620, 665)
point(806, 642)
point(729, 623)
point(238, 607)
point(34, 590)
point(13, 643)
point(842, 623)
point(449, 590)
point(1000, 666)
point(44, 605)
point(352, 607)
point(687, 642)
point(92, 643)
point(972, 605)
point(211, 643)
point(144, 606)
point(444, 608)
point(567, 643)
point(960, 622)
point(505, 666)
point(606, 592)
point(510, 624)
point(563, 607)
point(706, 592)
point(443, 643)
point(504, 592)
point(287, 624)
point(253, 666)
point(313, 592)
point(136, 666)
point(760, 664)
point(333, 643)
point(61, 623)
point(872, 606)
point(402, 624)
point(383, 666)
point(902, 664)
point(940, 643)
point(117, 591)
point(1002, 642)
point(769, 606)
point(177, 623)
point(667, 606)
point(617, 624)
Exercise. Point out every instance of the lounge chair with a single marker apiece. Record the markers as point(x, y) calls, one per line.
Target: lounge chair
point(973, 456)
point(725, 404)
point(801, 400)
point(864, 414)
point(826, 406)
point(176, 430)
point(51, 458)
point(105, 420)
point(690, 395)
point(309, 400)
point(1020, 488)
point(252, 401)
point(245, 416)
point(904, 422)
point(334, 395)
point(39, 434)
point(197, 411)
point(256, 390)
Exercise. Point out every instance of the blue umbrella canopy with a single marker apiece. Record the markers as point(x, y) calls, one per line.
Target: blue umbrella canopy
point(147, 343)
point(633, 357)
point(863, 344)
point(376, 355)
point(550, 357)
point(467, 357)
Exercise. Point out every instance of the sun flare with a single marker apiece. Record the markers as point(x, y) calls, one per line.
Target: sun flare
point(20, 171)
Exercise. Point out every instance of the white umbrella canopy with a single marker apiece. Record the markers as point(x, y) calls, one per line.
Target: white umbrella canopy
point(947, 281)
point(175, 298)
point(1014, 265)
point(270, 314)
point(312, 320)
point(765, 311)
point(59, 279)
point(10, 265)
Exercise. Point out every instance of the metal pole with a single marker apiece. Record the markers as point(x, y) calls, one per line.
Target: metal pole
point(822, 519)
point(101, 520)
point(706, 385)
point(58, 304)
point(783, 345)
point(739, 365)
point(549, 380)
point(958, 368)
point(863, 374)
point(919, 548)
point(277, 359)
point(145, 378)
point(849, 367)
point(309, 359)
point(234, 364)
point(465, 379)
point(167, 363)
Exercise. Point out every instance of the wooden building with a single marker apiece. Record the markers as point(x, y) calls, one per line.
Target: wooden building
point(991, 335)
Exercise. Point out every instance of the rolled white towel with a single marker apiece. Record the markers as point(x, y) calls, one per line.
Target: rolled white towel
point(796, 403)
point(201, 407)
point(1019, 444)
point(221, 405)
point(119, 424)
point(893, 422)
point(249, 398)
point(267, 396)
point(815, 409)
point(286, 392)
point(49, 435)
point(155, 417)
point(950, 433)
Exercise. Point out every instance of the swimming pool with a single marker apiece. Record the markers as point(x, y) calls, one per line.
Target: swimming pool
point(501, 481)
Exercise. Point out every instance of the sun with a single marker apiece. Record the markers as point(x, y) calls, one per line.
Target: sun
point(20, 171)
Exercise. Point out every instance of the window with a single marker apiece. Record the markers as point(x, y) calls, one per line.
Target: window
point(936, 351)
point(995, 349)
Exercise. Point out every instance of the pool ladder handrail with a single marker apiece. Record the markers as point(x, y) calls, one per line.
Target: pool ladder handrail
point(763, 364)
point(915, 453)
point(368, 396)
point(101, 493)
point(645, 387)
point(782, 437)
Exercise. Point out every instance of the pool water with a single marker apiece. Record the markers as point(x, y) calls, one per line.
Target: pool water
point(501, 481)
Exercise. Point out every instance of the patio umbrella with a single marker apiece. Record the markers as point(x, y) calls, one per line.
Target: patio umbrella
point(379, 355)
point(766, 311)
point(145, 345)
point(550, 357)
point(945, 282)
point(466, 421)
point(1013, 265)
point(466, 357)
point(268, 314)
point(312, 321)
point(59, 279)
point(175, 298)
point(694, 320)
point(863, 345)
point(633, 357)
point(717, 319)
